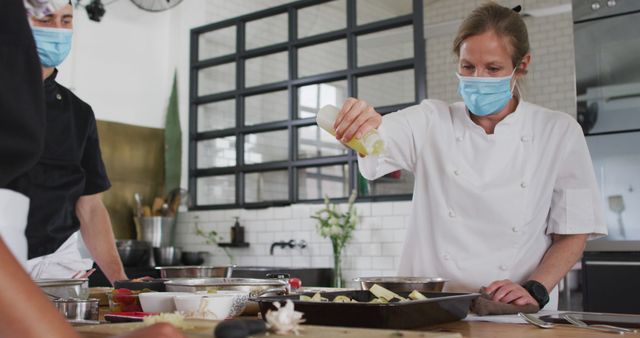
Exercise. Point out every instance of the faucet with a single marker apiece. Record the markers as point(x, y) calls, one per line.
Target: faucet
point(291, 244)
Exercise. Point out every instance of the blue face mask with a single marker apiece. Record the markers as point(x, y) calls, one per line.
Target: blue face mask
point(485, 95)
point(53, 44)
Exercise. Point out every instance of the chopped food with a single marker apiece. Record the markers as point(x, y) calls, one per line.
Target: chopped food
point(416, 295)
point(381, 292)
point(342, 299)
point(285, 320)
point(175, 319)
point(317, 297)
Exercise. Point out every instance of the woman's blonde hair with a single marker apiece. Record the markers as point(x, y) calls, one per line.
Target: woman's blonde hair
point(503, 21)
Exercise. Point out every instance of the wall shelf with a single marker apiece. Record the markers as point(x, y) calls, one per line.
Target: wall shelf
point(234, 245)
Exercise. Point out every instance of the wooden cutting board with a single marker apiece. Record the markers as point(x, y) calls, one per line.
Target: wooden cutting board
point(204, 328)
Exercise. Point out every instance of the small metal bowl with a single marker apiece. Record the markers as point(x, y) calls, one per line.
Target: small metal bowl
point(78, 310)
point(403, 284)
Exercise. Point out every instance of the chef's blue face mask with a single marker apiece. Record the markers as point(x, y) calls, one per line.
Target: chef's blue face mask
point(53, 44)
point(485, 95)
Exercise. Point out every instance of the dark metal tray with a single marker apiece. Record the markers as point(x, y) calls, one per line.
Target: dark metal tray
point(439, 308)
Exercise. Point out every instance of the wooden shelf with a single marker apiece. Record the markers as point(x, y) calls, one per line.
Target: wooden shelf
point(234, 245)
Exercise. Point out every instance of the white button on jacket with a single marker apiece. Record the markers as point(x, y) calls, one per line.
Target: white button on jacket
point(552, 163)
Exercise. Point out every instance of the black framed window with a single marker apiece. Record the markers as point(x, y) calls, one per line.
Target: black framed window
point(257, 82)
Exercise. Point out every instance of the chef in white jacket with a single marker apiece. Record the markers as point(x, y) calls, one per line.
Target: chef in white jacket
point(505, 195)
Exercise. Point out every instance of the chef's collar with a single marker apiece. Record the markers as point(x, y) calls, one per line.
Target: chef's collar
point(50, 81)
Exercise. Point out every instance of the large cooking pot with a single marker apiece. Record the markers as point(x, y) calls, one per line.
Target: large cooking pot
point(255, 287)
point(403, 284)
point(194, 271)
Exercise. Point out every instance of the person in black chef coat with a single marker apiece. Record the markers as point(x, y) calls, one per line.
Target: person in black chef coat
point(65, 184)
point(22, 129)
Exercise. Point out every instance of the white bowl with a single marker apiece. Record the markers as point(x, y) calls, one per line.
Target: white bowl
point(240, 299)
point(215, 306)
point(159, 301)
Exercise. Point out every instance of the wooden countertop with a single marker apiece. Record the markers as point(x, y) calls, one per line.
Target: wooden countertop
point(450, 330)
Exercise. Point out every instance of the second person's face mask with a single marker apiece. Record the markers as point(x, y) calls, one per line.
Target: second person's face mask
point(485, 95)
point(53, 44)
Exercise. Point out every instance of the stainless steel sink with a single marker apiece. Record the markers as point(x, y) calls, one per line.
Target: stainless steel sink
point(309, 276)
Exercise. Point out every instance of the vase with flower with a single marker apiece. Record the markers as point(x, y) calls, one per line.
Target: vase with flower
point(338, 226)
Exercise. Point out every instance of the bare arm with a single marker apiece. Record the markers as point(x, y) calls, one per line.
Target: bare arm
point(565, 251)
point(95, 227)
point(21, 296)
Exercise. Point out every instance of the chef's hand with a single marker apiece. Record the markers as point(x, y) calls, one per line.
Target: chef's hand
point(160, 330)
point(506, 291)
point(356, 117)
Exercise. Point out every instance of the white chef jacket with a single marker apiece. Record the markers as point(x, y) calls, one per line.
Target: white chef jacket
point(14, 208)
point(484, 206)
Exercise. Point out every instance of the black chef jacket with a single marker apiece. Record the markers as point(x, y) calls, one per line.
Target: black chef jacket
point(71, 166)
point(22, 117)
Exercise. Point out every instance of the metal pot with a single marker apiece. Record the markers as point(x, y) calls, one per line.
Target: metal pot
point(78, 309)
point(195, 258)
point(194, 271)
point(157, 230)
point(134, 253)
point(167, 255)
point(401, 284)
point(65, 288)
point(255, 287)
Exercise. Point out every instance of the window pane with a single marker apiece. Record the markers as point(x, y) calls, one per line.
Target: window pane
point(313, 97)
point(217, 43)
point(216, 190)
point(389, 45)
point(316, 182)
point(315, 142)
point(217, 115)
point(266, 186)
point(322, 18)
point(376, 10)
point(387, 88)
point(217, 79)
point(266, 147)
point(267, 107)
point(266, 69)
point(322, 58)
point(395, 183)
point(268, 31)
point(217, 152)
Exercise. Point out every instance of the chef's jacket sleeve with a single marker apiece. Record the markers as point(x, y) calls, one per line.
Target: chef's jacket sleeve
point(575, 205)
point(95, 171)
point(403, 133)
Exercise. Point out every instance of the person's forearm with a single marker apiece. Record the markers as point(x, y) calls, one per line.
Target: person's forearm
point(95, 227)
point(563, 254)
point(24, 310)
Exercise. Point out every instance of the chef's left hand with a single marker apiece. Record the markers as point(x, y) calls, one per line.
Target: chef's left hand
point(506, 291)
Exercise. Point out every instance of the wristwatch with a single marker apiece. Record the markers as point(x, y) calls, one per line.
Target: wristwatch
point(537, 291)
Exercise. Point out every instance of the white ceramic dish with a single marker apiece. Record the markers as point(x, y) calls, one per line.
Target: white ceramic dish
point(159, 301)
point(240, 299)
point(211, 306)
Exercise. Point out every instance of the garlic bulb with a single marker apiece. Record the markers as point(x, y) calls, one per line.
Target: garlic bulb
point(285, 320)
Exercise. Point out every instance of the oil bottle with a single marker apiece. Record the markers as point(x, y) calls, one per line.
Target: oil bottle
point(369, 144)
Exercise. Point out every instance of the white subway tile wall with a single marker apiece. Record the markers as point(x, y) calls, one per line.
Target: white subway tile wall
point(379, 236)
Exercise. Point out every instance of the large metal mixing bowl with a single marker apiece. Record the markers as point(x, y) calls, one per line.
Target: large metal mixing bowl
point(255, 287)
point(194, 271)
point(167, 256)
point(400, 284)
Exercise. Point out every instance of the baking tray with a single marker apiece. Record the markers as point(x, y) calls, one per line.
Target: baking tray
point(441, 307)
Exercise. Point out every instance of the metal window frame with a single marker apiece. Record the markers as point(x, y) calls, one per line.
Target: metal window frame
point(350, 33)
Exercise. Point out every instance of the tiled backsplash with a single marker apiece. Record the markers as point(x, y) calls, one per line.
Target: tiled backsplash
point(374, 249)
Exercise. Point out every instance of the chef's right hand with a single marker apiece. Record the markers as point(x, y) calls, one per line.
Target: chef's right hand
point(356, 118)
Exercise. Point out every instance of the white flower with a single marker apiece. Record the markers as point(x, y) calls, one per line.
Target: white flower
point(284, 320)
point(333, 221)
point(335, 231)
point(324, 232)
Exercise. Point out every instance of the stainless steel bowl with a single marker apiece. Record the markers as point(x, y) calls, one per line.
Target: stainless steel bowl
point(255, 287)
point(167, 255)
point(195, 258)
point(65, 288)
point(403, 284)
point(134, 253)
point(194, 271)
point(78, 309)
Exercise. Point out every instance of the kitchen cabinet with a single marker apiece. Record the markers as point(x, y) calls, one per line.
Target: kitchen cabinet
point(611, 282)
